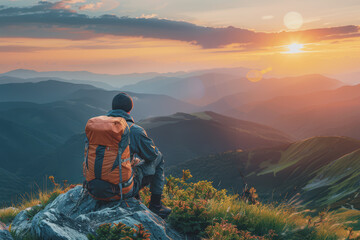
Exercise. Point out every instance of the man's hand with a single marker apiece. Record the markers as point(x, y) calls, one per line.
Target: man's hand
point(135, 162)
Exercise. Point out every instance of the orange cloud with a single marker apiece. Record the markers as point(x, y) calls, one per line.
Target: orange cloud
point(91, 6)
point(66, 4)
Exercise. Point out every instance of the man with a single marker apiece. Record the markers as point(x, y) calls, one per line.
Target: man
point(151, 169)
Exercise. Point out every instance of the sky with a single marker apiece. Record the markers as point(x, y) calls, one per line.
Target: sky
point(124, 36)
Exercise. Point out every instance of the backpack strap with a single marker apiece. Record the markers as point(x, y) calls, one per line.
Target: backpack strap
point(86, 155)
point(125, 141)
point(130, 124)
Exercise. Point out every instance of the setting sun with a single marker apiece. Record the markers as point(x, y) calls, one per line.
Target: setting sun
point(295, 48)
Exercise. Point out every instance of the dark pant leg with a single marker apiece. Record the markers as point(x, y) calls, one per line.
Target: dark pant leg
point(151, 173)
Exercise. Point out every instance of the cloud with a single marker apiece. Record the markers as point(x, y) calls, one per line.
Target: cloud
point(148, 15)
point(91, 6)
point(48, 20)
point(19, 49)
point(267, 17)
point(66, 4)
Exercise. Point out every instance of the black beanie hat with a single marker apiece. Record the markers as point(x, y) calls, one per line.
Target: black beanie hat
point(122, 101)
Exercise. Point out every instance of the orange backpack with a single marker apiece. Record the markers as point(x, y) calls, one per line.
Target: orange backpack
point(107, 167)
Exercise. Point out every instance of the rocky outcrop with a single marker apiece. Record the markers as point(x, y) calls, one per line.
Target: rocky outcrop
point(4, 232)
point(73, 215)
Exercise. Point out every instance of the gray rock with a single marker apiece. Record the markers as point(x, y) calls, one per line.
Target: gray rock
point(4, 233)
point(21, 225)
point(73, 215)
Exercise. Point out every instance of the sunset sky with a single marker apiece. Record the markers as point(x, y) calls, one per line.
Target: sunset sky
point(124, 36)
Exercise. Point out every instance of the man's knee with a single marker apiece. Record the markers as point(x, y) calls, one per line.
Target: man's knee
point(160, 162)
point(146, 180)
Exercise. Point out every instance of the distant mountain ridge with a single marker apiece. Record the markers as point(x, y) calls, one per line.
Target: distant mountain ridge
point(225, 91)
point(267, 89)
point(184, 136)
point(8, 79)
point(114, 80)
point(51, 91)
point(40, 92)
point(197, 89)
point(330, 112)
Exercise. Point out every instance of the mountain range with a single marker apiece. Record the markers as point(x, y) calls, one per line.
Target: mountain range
point(111, 80)
point(107, 81)
point(330, 112)
point(200, 89)
point(225, 91)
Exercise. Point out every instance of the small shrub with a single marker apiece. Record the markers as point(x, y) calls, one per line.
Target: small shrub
point(228, 231)
point(223, 230)
point(120, 231)
point(190, 216)
point(145, 195)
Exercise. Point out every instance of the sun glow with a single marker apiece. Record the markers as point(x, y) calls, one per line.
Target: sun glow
point(295, 48)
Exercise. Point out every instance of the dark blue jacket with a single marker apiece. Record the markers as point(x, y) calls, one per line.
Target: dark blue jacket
point(140, 144)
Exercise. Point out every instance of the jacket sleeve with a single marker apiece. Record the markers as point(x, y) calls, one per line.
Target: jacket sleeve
point(146, 147)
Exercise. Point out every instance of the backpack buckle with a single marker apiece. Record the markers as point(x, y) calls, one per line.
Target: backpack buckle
point(125, 160)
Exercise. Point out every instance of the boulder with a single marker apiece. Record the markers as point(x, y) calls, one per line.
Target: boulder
point(4, 233)
point(75, 214)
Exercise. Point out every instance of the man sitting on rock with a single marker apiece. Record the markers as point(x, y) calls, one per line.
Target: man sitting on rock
point(150, 169)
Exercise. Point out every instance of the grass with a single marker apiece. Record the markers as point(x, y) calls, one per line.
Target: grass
point(7, 215)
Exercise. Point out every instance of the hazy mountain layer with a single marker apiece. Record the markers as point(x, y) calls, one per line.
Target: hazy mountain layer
point(274, 87)
point(333, 112)
point(226, 91)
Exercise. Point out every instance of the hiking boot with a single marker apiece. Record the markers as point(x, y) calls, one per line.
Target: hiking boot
point(160, 210)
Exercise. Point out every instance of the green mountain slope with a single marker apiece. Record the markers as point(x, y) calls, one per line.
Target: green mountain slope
point(336, 181)
point(40, 92)
point(21, 144)
point(314, 167)
point(60, 119)
point(65, 162)
point(10, 187)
